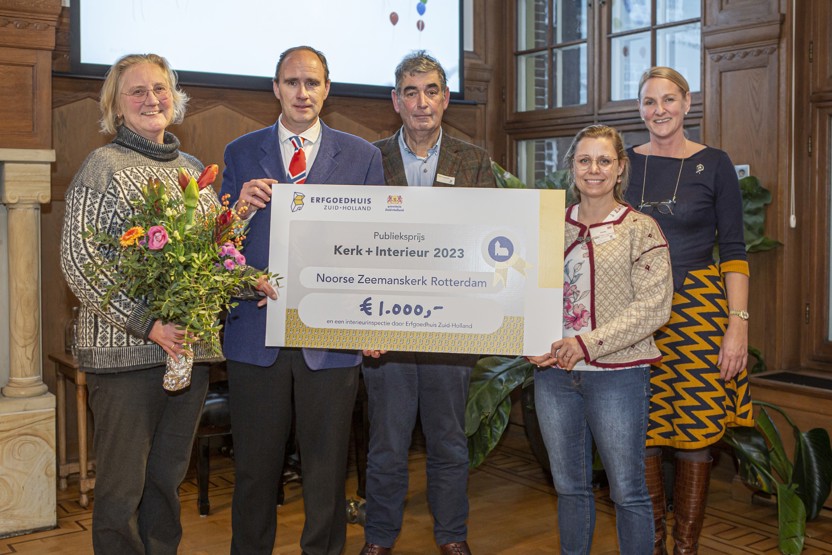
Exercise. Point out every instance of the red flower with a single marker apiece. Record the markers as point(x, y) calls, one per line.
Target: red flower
point(224, 219)
point(208, 175)
point(183, 177)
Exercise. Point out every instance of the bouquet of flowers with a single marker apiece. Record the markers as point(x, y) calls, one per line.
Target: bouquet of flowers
point(185, 264)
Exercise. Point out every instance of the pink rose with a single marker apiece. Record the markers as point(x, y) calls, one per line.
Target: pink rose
point(157, 238)
point(229, 264)
point(240, 259)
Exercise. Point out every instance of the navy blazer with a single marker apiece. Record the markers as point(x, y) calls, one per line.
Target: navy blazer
point(341, 159)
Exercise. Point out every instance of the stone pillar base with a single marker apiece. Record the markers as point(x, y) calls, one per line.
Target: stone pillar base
point(27, 457)
point(24, 387)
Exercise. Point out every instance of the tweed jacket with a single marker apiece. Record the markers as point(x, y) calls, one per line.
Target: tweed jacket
point(632, 289)
point(469, 165)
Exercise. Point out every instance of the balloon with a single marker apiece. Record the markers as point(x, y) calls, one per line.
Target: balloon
point(394, 18)
point(423, 1)
point(420, 7)
point(420, 25)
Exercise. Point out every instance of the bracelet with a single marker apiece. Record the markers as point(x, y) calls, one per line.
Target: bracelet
point(741, 314)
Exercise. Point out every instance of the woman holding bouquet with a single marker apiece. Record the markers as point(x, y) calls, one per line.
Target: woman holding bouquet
point(143, 433)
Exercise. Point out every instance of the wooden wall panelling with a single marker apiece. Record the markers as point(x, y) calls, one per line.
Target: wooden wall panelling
point(821, 47)
point(742, 98)
point(746, 114)
point(787, 329)
point(27, 27)
point(24, 98)
point(817, 351)
point(814, 171)
point(739, 13)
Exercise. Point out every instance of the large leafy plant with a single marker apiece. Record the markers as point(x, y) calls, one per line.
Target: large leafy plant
point(801, 484)
point(489, 402)
point(755, 198)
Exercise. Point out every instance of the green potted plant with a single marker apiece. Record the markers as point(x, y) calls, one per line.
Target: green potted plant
point(801, 485)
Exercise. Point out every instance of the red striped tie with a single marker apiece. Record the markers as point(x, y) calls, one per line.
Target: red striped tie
point(297, 166)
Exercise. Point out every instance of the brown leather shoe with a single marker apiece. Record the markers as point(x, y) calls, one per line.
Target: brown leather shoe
point(373, 549)
point(455, 548)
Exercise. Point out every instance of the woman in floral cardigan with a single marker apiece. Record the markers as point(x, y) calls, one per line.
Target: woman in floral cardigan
point(595, 382)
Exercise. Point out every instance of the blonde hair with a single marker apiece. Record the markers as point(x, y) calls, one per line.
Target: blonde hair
point(108, 102)
point(599, 131)
point(662, 72)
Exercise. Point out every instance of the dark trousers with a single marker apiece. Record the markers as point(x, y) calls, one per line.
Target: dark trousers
point(400, 385)
point(260, 400)
point(143, 440)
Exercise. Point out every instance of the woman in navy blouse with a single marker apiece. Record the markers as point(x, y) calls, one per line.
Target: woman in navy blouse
point(701, 386)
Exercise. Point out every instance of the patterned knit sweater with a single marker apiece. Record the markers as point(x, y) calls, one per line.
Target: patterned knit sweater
point(100, 197)
point(632, 289)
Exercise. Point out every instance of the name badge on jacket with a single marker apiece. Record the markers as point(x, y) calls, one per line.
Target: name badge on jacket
point(446, 179)
point(602, 234)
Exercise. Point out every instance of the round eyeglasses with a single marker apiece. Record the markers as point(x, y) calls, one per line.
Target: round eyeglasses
point(139, 94)
point(603, 162)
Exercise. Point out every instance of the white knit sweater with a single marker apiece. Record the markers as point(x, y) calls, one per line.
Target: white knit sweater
point(99, 198)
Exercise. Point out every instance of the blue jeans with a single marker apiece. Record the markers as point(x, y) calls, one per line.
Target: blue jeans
point(611, 407)
point(434, 385)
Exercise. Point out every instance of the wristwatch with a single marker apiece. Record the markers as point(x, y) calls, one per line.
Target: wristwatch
point(741, 314)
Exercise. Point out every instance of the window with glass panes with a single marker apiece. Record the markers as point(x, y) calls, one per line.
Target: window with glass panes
point(551, 54)
point(645, 33)
point(560, 44)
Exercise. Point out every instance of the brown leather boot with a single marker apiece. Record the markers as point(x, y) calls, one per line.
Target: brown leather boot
point(690, 496)
point(655, 486)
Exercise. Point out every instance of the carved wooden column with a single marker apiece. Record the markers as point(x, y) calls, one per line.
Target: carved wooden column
point(27, 409)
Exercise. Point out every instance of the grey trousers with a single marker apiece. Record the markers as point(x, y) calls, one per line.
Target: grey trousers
point(143, 439)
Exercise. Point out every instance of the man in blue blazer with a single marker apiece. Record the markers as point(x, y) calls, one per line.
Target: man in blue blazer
point(264, 382)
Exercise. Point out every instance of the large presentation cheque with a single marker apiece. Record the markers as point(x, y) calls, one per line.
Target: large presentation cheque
point(454, 270)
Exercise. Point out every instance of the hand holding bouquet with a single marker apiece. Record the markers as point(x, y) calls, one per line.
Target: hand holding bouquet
point(185, 264)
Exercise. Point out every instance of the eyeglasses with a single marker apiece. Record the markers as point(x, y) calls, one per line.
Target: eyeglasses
point(139, 94)
point(662, 206)
point(585, 162)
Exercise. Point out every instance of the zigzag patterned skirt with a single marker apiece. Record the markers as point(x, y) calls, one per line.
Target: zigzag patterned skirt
point(690, 405)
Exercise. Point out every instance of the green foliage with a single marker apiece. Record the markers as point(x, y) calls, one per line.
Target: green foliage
point(755, 198)
point(506, 179)
point(801, 485)
point(760, 365)
point(558, 179)
point(486, 414)
point(184, 264)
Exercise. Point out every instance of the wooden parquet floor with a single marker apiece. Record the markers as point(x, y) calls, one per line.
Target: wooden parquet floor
point(512, 513)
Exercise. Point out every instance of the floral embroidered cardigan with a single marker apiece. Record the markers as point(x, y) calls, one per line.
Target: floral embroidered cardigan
point(632, 288)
